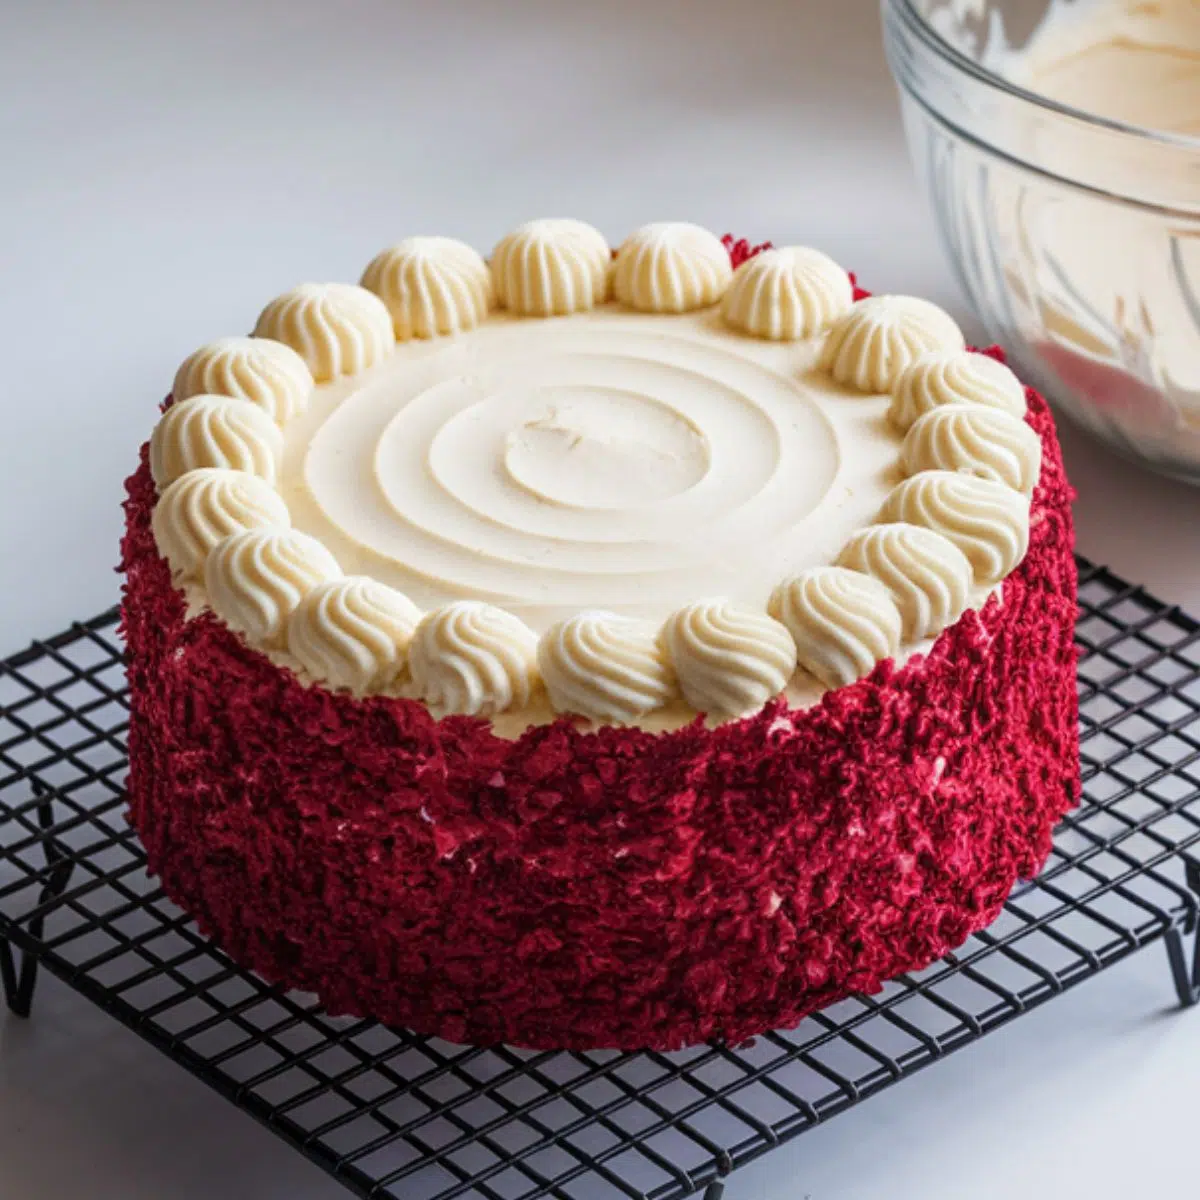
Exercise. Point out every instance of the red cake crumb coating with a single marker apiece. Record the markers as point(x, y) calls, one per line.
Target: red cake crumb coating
point(614, 889)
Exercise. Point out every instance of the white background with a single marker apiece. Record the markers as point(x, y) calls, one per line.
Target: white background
point(167, 168)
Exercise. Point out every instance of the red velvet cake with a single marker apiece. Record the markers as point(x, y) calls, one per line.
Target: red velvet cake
point(578, 650)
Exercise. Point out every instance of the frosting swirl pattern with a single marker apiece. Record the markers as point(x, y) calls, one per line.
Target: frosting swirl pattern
point(605, 667)
point(473, 659)
point(337, 328)
point(787, 294)
point(265, 372)
point(926, 574)
point(880, 336)
point(555, 466)
point(959, 377)
point(550, 268)
point(671, 267)
point(987, 442)
point(204, 507)
point(729, 660)
point(214, 431)
point(255, 579)
point(432, 286)
point(353, 633)
point(987, 521)
point(843, 622)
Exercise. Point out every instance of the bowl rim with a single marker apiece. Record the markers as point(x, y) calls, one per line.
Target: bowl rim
point(968, 66)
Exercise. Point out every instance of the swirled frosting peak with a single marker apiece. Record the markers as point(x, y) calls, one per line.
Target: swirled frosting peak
point(843, 622)
point(473, 658)
point(729, 660)
point(256, 579)
point(671, 267)
point(787, 294)
point(605, 667)
point(926, 574)
point(337, 328)
point(880, 336)
point(204, 507)
point(987, 521)
point(432, 286)
point(353, 633)
point(550, 268)
point(265, 372)
point(942, 378)
point(987, 442)
point(214, 431)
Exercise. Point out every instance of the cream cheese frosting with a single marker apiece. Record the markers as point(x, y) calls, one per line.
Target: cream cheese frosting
point(607, 460)
point(517, 512)
point(880, 337)
point(977, 441)
point(843, 622)
point(551, 268)
point(257, 578)
point(353, 633)
point(1111, 288)
point(956, 377)
point(671, 267)
point(794, 292)
point(607, 667)
point(730, 660)
point(473, 659)
point(215, 431)
point(432, 286)
point(203, 507)
point(265, 372)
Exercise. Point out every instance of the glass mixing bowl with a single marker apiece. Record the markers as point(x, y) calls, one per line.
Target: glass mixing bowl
point(1075, 238)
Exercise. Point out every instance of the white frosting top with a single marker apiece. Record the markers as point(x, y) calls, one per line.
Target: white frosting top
point(529, 505)
point(611, 460)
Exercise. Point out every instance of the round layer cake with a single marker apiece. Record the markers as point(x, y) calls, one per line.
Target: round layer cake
point(590, 649)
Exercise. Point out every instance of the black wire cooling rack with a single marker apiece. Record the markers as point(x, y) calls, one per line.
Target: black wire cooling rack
point(391, 1114)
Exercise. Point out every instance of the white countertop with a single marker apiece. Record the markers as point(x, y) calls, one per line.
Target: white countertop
point(167, 171)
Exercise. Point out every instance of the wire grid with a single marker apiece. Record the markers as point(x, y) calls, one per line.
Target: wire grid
point(393, 1114)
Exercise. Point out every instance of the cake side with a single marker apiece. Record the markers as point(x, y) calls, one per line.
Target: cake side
point(613, 888)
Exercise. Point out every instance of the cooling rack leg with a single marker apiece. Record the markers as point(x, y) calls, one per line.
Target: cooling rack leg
point(716, 1189)
point(1183, 949)
point(1185, 966)
point(19, 968)
point(19, 973)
